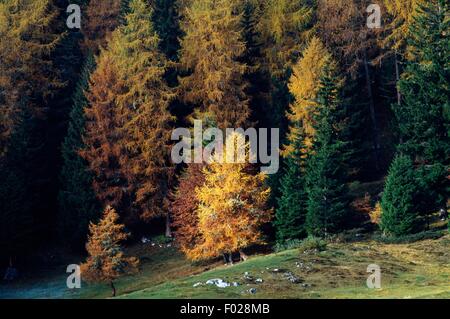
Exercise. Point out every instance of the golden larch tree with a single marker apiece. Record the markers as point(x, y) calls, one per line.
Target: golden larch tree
point(304, 86)
point(107, 261)
point(284, 26)
point(210, 53)
point(232, 207)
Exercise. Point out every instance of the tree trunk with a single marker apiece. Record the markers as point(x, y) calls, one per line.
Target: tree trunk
point(376, 134)
point(113, 289)
point(230, 258)
point(168, 230)
point(397, 79)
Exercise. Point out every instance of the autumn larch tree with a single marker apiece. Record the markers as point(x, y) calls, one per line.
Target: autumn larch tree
point(129, 104)
point(400, 17)
point(184, 206)
point(210, 51)
point(102, 18)
point(106, 261)
point(231, 210)
point(304, 86)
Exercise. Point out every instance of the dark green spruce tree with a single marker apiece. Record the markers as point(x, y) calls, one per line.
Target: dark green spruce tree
point(77, 203)
point(290, 215)
point(423, 117)
point(398, 203)
point(326, 173)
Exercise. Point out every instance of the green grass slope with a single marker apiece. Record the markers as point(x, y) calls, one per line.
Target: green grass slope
point(417, 270)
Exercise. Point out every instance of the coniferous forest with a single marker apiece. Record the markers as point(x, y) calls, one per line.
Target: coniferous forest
point(349, 103)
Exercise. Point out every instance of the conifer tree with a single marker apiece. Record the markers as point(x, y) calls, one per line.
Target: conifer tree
point(232, 208)
point(102, 18)
point(130, 159)
point(184, 206)
point(211, 51)
point(77, 203)
point(304, 86)
point(401, 14)
point(423, 117)
point(326, 170)
point(102, 150)
point(106, 260)
point(399, 215)
point(291, 211)
point(166, 21)
point(29, 37)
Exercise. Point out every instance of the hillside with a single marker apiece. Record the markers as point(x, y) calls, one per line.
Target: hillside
point(414, 270)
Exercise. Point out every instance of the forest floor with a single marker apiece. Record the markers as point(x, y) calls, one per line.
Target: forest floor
point(411, 270)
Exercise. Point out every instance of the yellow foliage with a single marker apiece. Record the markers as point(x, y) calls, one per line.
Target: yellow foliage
point(284, 26)
point(375, 214)
point(106, 259)
point(304, 86)
point(402, 13)
point(210, 51)
point(232, 208)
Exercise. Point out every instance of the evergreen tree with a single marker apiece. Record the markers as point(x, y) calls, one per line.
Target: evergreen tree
point(166, 21)
point(106, 260)
point(29, 36)
point(422, 118)
point(399, 214)
point(291, 211)
point(326, 170)
point(77, 203)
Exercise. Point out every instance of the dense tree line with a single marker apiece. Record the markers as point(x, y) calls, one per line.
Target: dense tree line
point(86, 118)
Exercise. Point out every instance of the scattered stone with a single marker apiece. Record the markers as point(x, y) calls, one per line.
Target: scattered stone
point(252, 291)
point(197, 284)
point(235, 284)
point(292, 278)
point(218, 282)
point(259, 280)
point(247, 276)
point(145, 240)
point(305, 285)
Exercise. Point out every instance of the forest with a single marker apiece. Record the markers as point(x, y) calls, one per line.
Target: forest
point(87, 115)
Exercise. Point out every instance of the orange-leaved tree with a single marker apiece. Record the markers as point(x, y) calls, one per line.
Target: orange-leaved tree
point(232, 207)
point(184, 207)
point(106, 261)
point(128, 128)
point(102, 18)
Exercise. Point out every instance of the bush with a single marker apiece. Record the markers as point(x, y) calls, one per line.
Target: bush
point(407, 239)
point(307, 244)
